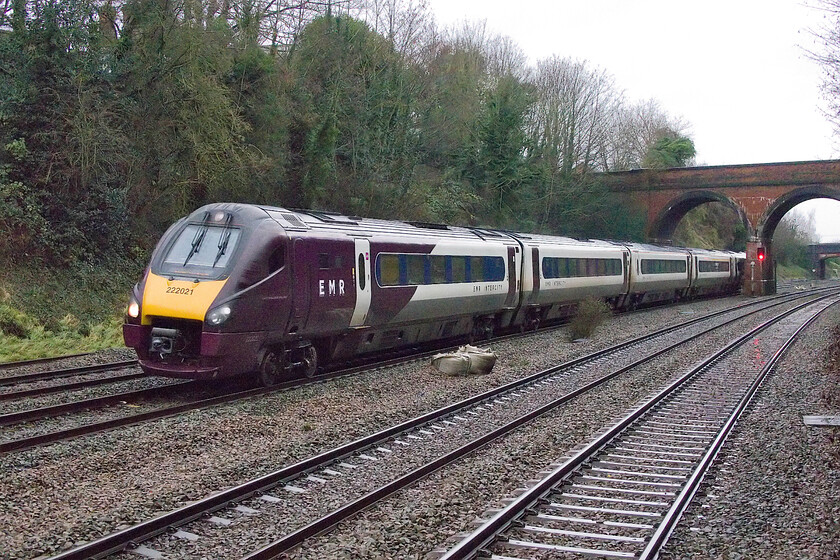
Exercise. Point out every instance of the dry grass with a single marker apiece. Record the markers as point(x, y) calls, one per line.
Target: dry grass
point(591, 312)
point(67, 336)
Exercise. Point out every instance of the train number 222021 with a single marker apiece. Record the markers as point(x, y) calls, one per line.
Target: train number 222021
point(179, 291)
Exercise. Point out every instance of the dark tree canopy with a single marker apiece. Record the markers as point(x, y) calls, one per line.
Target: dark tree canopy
point(119, 116)
point(670, 151)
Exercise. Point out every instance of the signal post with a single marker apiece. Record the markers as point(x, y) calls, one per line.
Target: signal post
point(758, 270)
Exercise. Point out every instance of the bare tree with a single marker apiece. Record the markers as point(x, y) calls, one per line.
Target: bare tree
point(6, 15)
point(277, 23)
point(635, 128)
point(572, 118)
point(405, 23)
point(504, 57)
point(828, 56)
point(570, 127)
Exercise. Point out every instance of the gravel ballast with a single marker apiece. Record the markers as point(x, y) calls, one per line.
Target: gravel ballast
point(424, 510)
point(54, 497)
point(775, 492)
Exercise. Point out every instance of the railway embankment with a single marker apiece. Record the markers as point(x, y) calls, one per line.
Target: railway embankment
point(52, 311)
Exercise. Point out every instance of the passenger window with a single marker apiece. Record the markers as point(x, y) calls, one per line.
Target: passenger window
point(323, 261)
point(459, 269)
point(548, 268)
point(494, 269)
point(389, 270)
point(477, 269)
point(415, 269)
point(437, 265)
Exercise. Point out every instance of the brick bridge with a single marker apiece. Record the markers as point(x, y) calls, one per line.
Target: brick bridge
point(759, 193)
point(819, 253)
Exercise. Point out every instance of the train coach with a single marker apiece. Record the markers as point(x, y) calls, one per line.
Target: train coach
point(235, 288)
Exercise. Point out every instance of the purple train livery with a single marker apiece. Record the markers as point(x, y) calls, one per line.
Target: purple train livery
point(239, 289)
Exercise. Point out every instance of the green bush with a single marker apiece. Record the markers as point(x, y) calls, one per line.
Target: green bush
point(591, 312)
point(15, 323)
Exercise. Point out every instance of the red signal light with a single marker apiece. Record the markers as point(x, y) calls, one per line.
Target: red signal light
point(760, 253)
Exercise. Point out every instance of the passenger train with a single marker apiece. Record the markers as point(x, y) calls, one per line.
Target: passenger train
point(234, 289)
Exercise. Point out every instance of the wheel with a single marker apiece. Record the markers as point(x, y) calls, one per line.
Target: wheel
point(482, 330)
point(310, 361)
point(488, 330)
point(272, 368)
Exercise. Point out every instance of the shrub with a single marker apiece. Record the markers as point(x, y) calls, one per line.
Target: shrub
point(15, 323)
point(591, 312)
point(69, 323)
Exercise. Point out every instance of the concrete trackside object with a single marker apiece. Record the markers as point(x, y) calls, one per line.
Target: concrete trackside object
point(468, 360)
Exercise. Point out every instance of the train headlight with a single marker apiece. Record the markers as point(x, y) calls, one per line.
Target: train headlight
point(218, 315)
point(133, 310)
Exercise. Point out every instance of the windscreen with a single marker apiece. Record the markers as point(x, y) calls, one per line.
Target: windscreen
point(201, 250)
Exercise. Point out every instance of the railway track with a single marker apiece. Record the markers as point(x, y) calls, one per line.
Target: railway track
point(623, 494)
point(263, 499)
point(57, 422)
point(39, 361)
point(51, 375)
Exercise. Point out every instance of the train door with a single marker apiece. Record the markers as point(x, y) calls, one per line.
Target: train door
point(363, 275)
point(301, 275)
point(693, 271)
point(535, 262)
point(627, 270)
point(513, 278)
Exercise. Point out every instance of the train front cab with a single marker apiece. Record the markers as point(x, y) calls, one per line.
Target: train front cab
point(215, 291)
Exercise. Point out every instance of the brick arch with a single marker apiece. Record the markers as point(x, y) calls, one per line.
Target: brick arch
point(820, 253)
point(662, 227)
point(763, 193)
point(783, 204)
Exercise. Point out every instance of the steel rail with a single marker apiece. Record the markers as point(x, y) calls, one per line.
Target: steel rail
point(21, 363)
point(86, 404)
point(485, 535)
point(323, 524)
point(146, 530)
point(67, 372)
point(100, 402)
point(96, 427)
point(675, 513)
point(69, 386)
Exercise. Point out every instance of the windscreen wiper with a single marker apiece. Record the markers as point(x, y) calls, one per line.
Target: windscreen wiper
point(223, 241)
point(198, 238)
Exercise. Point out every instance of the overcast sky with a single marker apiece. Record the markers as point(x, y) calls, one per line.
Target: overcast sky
point(735, 70)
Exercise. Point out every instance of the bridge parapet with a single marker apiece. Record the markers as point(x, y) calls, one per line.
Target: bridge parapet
point(819, 253)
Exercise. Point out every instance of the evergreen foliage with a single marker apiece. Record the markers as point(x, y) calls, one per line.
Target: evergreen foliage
point(119, 116)
point(712, 226)
point(670, 151)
